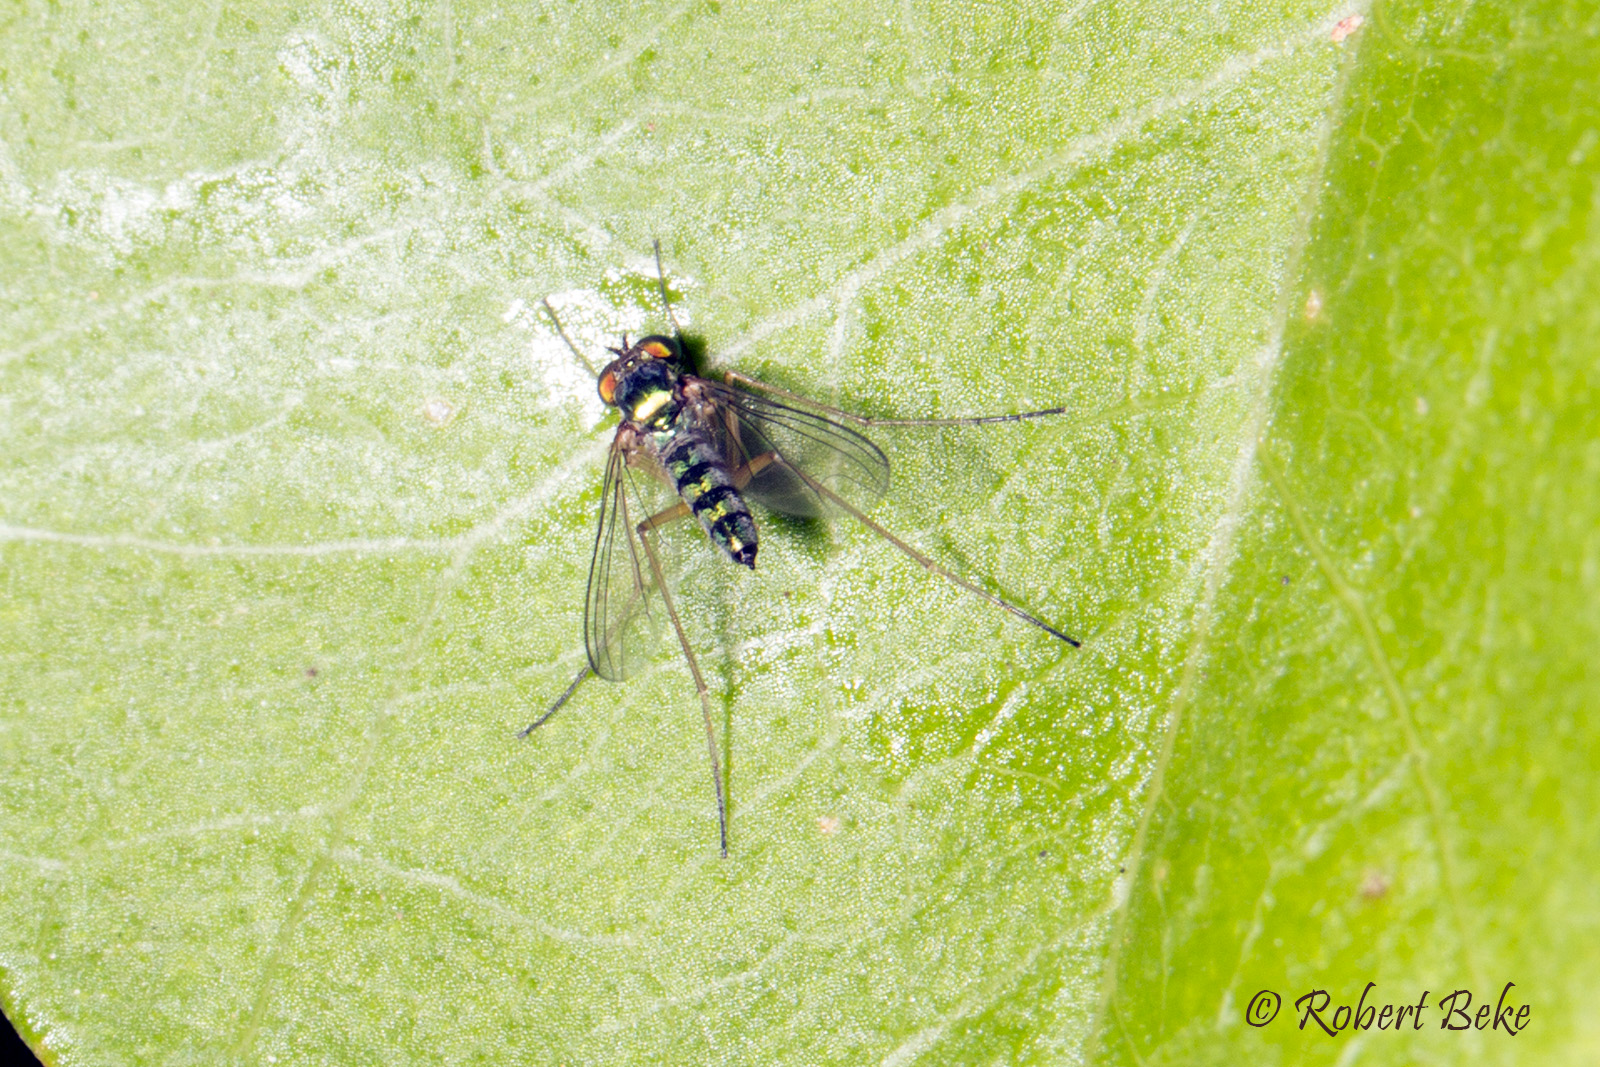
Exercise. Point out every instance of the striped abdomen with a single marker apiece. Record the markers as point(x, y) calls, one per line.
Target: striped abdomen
point(705, 482)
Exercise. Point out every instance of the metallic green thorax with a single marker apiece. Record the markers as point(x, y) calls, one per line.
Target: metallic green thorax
point(652, 393)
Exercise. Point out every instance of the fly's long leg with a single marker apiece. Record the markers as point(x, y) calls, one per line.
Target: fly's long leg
point(560, 700)
point(757, 464)
point(862, 420)
point(643, 530)
point(923, 561)
point(673, 514)
point(663, 518)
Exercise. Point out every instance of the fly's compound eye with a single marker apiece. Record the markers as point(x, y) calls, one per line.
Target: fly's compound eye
point(656, 348)
point(608, 386)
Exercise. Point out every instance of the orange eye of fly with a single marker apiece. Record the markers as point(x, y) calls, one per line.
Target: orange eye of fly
point(608, 386)
point(657, 350)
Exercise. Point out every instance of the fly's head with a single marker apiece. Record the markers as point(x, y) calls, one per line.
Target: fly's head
point(639, 382)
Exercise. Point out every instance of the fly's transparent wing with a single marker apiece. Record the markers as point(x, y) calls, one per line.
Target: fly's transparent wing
point(617, 624)
point(828, 451)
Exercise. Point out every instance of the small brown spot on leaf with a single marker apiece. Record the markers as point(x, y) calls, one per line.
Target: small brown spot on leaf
point(1345, 28)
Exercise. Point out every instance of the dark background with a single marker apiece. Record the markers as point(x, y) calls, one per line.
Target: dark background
point(13, 1053)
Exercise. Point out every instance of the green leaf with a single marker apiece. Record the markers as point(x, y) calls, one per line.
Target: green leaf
point(300, 482)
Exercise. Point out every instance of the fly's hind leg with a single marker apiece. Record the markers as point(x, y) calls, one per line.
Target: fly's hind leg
point(644, 530)
point(735, 378)
point(741, 478)
point(560, 700)
point(917, 557)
